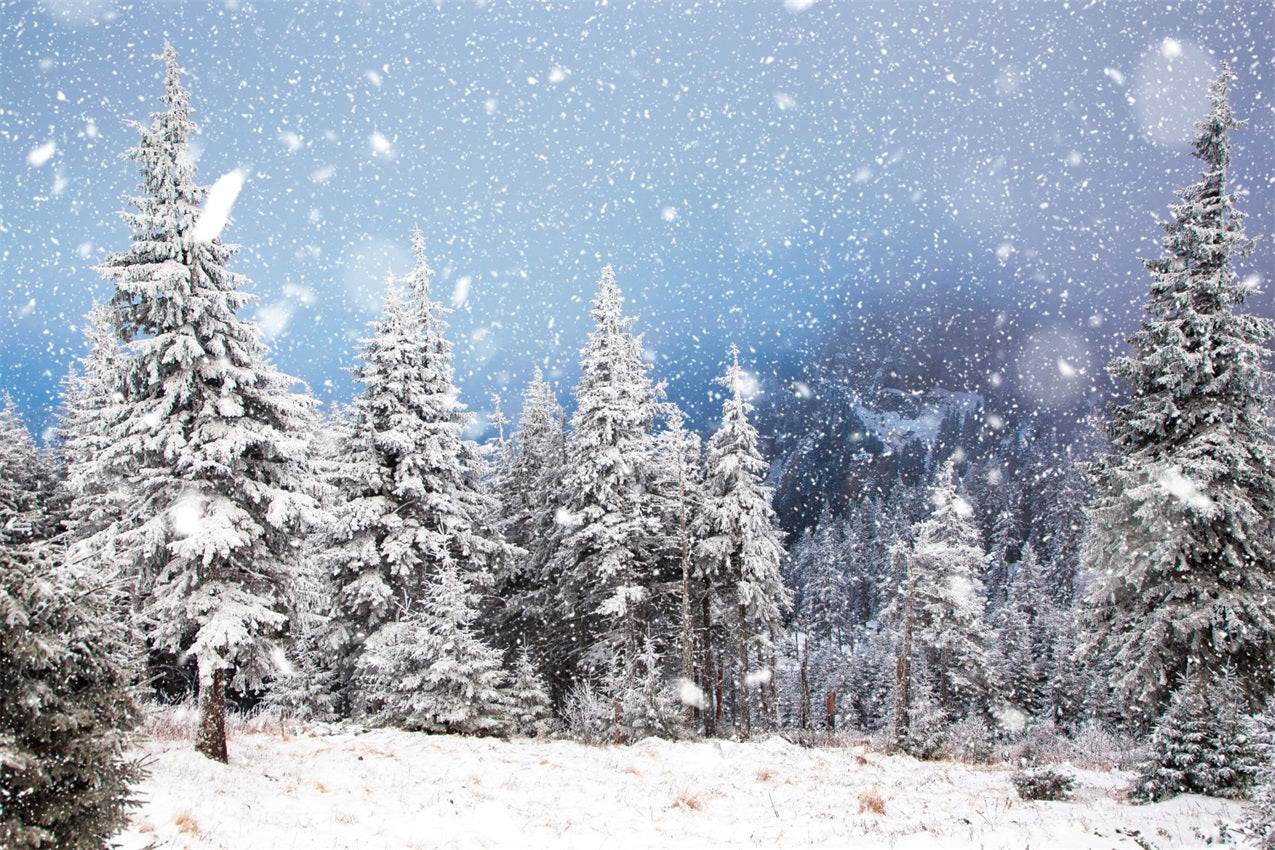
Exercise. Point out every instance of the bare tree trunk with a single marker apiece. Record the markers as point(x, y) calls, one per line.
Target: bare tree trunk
point(210, 740)
point(903, 672)
point(830, 711)
point(745, 721)
point(712, 693)
point(804, 709)
point(690, 713)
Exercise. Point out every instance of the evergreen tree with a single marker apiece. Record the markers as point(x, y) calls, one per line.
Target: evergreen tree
point(1260, 821)
point(1182, 550)
point(210, 443)
point(1201, 745)
point(740, 546)
point(91, 397)
point(411, 502)
point(605, 526)
point(1023, 638)
point(529, 493)
point(941, 604)
point(429, 670)
point(527, 700)
point(21, 514)
point(65, 709)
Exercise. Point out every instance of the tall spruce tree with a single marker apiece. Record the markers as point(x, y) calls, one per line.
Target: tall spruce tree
point(1182, 549)
point(605, 527)
point(209, 441)
point(741, 549)
point(411, 502)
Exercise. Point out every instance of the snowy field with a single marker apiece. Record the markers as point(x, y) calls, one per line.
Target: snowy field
point(290, 786)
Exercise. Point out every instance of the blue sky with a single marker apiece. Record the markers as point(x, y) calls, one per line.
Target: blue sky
point(756, 171)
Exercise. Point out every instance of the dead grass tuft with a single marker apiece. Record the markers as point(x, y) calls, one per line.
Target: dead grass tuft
point(765, 775)
point(187, 823)
point(688, 802)
point(870, 801)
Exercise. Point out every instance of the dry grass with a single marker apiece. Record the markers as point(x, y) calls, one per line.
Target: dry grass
point(187, 823)
point(871, 801)
point(765, 775)
point(688, 802)
point(177, 723)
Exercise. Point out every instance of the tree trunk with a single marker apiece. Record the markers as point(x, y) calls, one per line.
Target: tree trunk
point(690, 713)
point(744, 718)
point(804, 709)
point(210, 740)
point(903, 672)
point(711, 693)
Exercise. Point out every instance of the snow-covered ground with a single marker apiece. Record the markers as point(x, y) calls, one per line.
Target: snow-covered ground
point(290, 786)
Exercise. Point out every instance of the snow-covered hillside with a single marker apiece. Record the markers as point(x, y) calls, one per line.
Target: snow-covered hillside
point(290, 786)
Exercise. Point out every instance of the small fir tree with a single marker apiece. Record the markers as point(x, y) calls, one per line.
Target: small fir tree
point(430, 671)
point(1259, 822)
point(1202, 744)
point(941, 606)
point(527, 700)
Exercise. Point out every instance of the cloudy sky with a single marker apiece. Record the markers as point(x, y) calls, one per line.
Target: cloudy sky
point(757, 171)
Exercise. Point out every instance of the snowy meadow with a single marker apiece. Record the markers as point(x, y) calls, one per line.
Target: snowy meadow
point(291, 785)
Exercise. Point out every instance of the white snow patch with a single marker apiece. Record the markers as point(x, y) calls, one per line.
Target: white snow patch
point(460, 292)
point(1066, 369)
point(1184, 489)
point(757, 677)
point(691, 694)
point(381, 146)
point(274, 318)
point(785, 101)
point(40, 155)
point(795, 6)
point(187, 516)
point(216, 212)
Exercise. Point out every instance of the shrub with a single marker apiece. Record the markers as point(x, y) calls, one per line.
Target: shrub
point(1043, 783)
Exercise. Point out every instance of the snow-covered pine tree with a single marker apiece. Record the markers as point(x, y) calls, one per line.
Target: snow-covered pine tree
point(65, 707)
point(740, 549)
point(1023, 638)
point(411, 502)
point(1202, 744)
point(529, 492)
point(21, 514)
point(1259, 824)
point(92, 395)
point(605, 526)
point(527, 700)
point(677, 488)
point(1182, 549)
point(941, 604)
point(212, 442)
point(429, 670)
